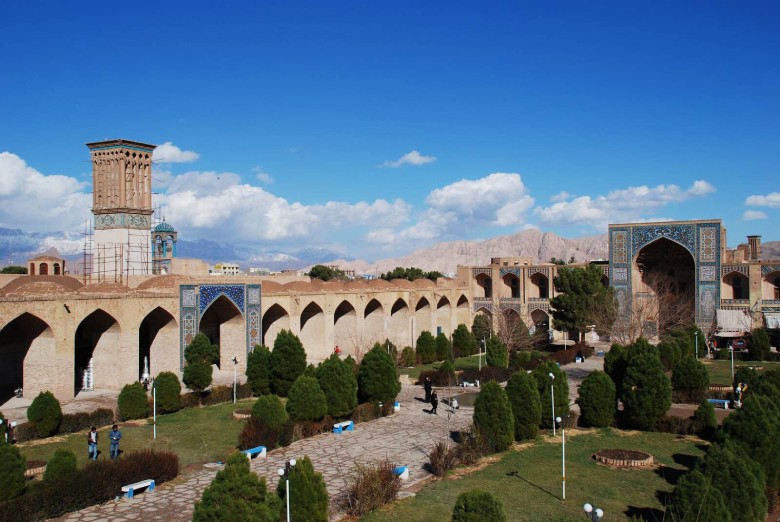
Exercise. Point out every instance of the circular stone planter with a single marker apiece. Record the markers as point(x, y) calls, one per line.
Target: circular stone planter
point(620, 458)
point(35, 469)
point(242, 414)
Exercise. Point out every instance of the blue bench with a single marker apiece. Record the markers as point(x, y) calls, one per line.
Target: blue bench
point(130, 489)
point(723, 403)
point(402, 472)
point(340, 427)
point(396, 406)
point(252, 452)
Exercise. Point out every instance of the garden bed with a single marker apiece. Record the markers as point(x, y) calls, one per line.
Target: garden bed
point(622, 458)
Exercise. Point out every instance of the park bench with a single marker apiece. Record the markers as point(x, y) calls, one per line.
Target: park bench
point(402, 472)
point(723, 403)
point(252, 452)
point(130, 489)
point(396, 406)
point(340, 427)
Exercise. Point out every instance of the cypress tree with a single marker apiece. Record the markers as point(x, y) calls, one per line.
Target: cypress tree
point(377, 377)
point(541, 375)
point(309, 497)
point(339, 383)
point(306, 400)
point(497, 353)
point(526, 405)
point(426, 347)
point(463, 342)
point(12, 469)
point(597, 400)
point(647, 392)
point(270, 410)
point(288, 362)
point(258, 370)
point(493, 417)
point(443, 348)
point(695, 499)
point(168, 392)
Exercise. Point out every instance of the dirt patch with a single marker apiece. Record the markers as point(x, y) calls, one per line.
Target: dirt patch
point(466, 471)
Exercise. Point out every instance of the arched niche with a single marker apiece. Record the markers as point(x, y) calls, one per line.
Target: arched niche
point(345, 334)
point(158, 342)
point(27, 357)
point(98, 338)
point(275, 319)
point(223, 324)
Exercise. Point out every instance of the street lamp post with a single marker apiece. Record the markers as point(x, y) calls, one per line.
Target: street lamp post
point(285, 474)
point(563, 457)
point(592, 512)
point(565, 337)
point(484, 349)
point(696, 340)
point(552, 399)
point(731, 349)
point(235, 376)
point(154, 409)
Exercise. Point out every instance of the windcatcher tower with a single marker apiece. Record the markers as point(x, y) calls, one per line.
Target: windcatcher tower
point(122, 206)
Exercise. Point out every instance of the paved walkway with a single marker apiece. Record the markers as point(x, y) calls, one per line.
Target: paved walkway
point(404, 438)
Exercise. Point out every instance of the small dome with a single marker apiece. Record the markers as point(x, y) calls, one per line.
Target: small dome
point(164, 227)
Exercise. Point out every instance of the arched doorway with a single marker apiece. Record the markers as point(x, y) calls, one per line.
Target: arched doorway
point(541, 320)
point(98, 339)
point(770, 286)
point(664, 286)
point(423, 317)
point(43, 269)
point(485, 286)
point(28, 357)
point(443, 316)
point(400, 324)
point(158, 343)
point(345, 327)
point(313, 333)
point(540, 287)
point(463, 310)
point(223, 324)
point(512, 285)
point(373, 323)
point(735, 286)
point(275, 319)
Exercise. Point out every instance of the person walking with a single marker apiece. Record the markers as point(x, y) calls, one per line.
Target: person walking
point(434, 402)
point(113, 436)
point(427, 385)
point(92, 442)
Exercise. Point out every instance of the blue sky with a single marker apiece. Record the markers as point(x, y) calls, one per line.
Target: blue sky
point(377, 128)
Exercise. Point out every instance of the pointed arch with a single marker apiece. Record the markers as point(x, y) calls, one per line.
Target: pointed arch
point(28, 355)
point(540, 319)
point(400, 324)
point(539, 287)
point(463, 312)
point(312, 332)
point(484, 286)
point(443, 303)
point(399, 306)
point(43, 269)
point(511, 285)
point(275, 319)
point(423, 318)
point(345, 326)
point(98, 339)
point(374, 322)
point(158, 343)
point(223, 323)
point(735, 286)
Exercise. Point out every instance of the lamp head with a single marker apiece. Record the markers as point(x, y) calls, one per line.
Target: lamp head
point(599, 513)
point(588, 508)
point(558, 420)
point(292, 462)
point(235, 360)
point(552, 375)
point(280, 471)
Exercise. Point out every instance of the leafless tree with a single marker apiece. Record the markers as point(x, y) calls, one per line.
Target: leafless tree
point(512, 331)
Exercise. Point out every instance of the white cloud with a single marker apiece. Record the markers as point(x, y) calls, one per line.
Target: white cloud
point(753, 215)
point(37, 202)
point(771, 200)
point(560, 196)
point(170, 153)
point(262, 176)
point(410, 158)
point(619, 206)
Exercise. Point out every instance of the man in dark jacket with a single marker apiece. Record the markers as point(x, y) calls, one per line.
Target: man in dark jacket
point(428, 386)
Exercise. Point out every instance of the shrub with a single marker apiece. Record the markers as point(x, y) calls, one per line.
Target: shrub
point(132, 402)
point(706, 421)
point(696, 499)
point(45, 414)
point(561, 390)
point(647, 393)
point(463, 341)
point(12, 468)
point(377, 377)
point(370, 487)
point(75, 422)
point(493, 417)
point(477, 506)
point(367, 412)
point(408, 358)
point(201, 350)
point(353, 363)
point(306, 401)
point(758, 344)
point(310, 501)
point(615, 363)
point(731, 472)
point(443, 348)
point(168, 392)
point(488, 373)
point(237, 494)
point(288, 362)
point(676, 425)
point(61, 465)
point(442, 459)
point(258, 370)
point(257, 433)
point(197, 376)
point(471, 446)
point(448, 369)
point(670, 353)
point(526, 405)
point(597, 400)
point(426, 347)
point(338, 381)
point(690, 377)
point(270, 410)
point(497, 353)
point(481, 327)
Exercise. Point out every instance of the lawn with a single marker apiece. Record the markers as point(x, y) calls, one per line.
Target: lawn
point(528, 481)
point(461, 363)
point(720, 370)
point(197, 435)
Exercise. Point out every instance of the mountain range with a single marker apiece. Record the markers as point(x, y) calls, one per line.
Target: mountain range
point(16, 246)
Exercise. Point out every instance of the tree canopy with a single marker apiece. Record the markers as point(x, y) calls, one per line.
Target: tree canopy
point(14, 269)
point(326, 273)
point(411, 274)
point(582, 300)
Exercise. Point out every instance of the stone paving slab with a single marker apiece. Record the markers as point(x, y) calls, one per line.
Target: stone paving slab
point(404, 438)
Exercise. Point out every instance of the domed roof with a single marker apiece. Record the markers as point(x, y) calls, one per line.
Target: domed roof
point(164, 227)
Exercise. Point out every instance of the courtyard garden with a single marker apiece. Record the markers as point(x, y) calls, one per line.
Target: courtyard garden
point(720, 370)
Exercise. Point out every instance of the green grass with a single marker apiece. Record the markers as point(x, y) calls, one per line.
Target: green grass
point(720, 370)
point(461, 363)
point(528, 481)
point(197, 435)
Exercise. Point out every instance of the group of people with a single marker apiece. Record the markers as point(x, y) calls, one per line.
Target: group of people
point(430, 395)
point(113, 438)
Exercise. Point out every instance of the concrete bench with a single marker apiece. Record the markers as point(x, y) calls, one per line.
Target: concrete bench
point(396, 406)
point(402, 472)
point(130, 489)
point(723, 403)
point(340, 427)
point(255, 452)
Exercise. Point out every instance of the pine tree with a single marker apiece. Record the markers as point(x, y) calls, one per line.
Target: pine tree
point(306, 400)
point(526, 405)
point(258, 370)
point(288, 362)
point(426, 347)
point(237, 495)
point(12, 469)
point(309, 495)
point(61, 465)
point(168, 392)
point(695, 499)
point(443, 348)
point(478, 506)
point(133, 402)
point(481, 328)
point(647, 392)
point(690, 377)
point(493, 417)
point(541, 375)
point(201, 350)
point(377, 377)
point(497, 353)
point(45, 413)
point(463, 342)
point(270, 410)
point(597, 400)
point(339, 383)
